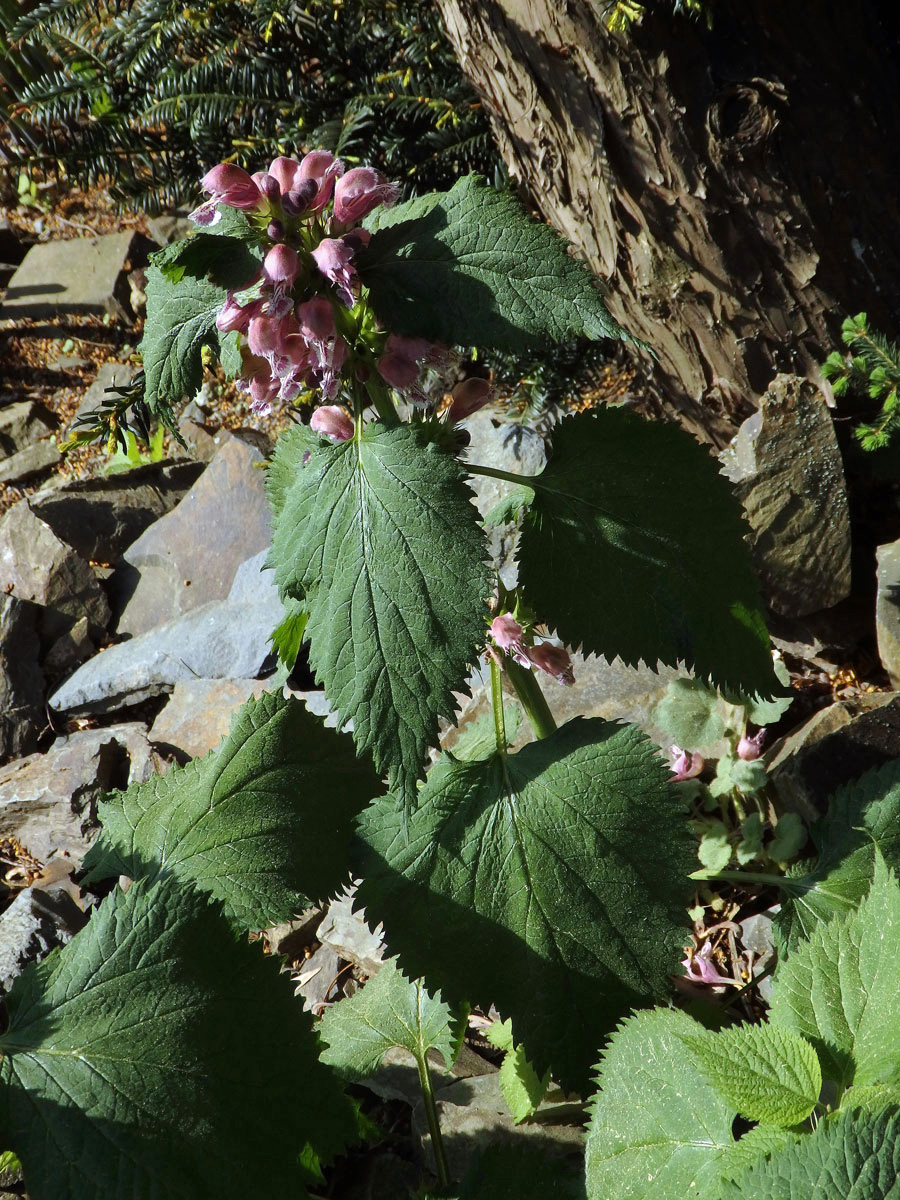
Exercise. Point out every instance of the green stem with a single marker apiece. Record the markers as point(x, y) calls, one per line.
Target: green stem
point(434, 1124)
point(509, 476)
point(497, 706)
point(531, 698)
point(382, 402)
point(747, 877)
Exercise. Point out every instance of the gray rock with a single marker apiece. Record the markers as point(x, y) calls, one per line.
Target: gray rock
point(757, 940)
point(108, 375)
point(199, 713)
point(190, 557)
point(291, 938)
point(29, 462)
point(786, 466)
point(35, 565)
point(887, 610)
point(69, 651)
point(22, 714)
point(504, 446)
point(48, 801)
point(101, 517)
point(346, 932)
point(203, 440)
point(170, 227)
point(318, 979)
point(36, 922)
point(24, 422)
point(228, 639)
point(83, 275)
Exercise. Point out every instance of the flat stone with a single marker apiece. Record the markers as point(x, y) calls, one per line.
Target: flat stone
point(291, 938)
point(22, 714)
point(887, 610)
point(199, 713)
point(35, 565)
point(69, 651)
point(82, 275)
point(318, 979)
point(108, 375)
point(505, 446)
point(786, 466)
point(24, 422)
point(190, 557)
point(36, 922)
point(33, 460)
point(101, 517)
point(170, 227)
point(48, 801)
point(346, 932)
point(227, 639)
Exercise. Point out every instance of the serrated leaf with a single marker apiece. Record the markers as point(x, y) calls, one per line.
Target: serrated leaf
point(459, 268)
point(389, 1011)
point(658, 1130)
point(860, 817)
point(521, 1172)
point(379, 538)
point(754, 1145)
point(751, 844)
point(715, 848)
point(550, 882)
point(522, 1088)
point(766, 712)
point(287, 636)
point(690, 713)
point(634, 546)
point(479, 739)
point(157, 1055)
point(850, 1156)
point(841, 988)
point(263, 823)
point(767, 1073)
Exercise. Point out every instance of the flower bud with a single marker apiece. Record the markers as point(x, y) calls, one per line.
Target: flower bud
point(468, 397)
point(284, 171)
point(322, 168)
point(507, 632)
point(281, 265)
point(358, 192)
point(750, 748)
point(298, 199)
point(333, 422)
point(555, 660)
point(398, 371)
point(232, 185)
point(275, 231)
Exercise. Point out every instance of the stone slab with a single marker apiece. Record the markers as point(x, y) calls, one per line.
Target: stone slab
point(22, 715)
point(199, 713)
point(29, 462)
point(24, 422)
point(887, 610)
point(82, 275)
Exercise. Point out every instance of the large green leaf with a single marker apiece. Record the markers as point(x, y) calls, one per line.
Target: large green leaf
point(157, 1056)
point(521, 1172)
point(850, 1156)
point(633, 546)
point(263, 823)
point(841, 988)
point(389, 1011)
point(861, 817)
point(471, 267)
point(550, 882)
point(522, 1088)
point(379, 538)
point(659, 1129)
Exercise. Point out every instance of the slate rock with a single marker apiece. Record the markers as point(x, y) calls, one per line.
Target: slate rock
point(170, 227)
point(35, 565)
point(887, 610)
point(346, 932)
point(33, 460)
point(318, 980)
point(82, 275)
point(109, 374)
point(36, 922)
point(48, 801)
point(190, 557)
point(227, 639)
point(199, 713)
point(69, 651)
point(101, 517)
point(24, 422)
point(786, 466)
point(22, 714)
point(505, 446)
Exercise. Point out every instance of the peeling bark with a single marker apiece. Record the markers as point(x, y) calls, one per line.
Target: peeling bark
point(736, 188)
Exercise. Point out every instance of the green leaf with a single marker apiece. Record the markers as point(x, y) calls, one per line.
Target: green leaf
point(767, 1073)
point(715, 848)
point(521, 1172)
point(379, 537)
point(751, 844)
point(459, 268)
point(550, 882)
point(861, 817)
point(634, 547)
point(790, 837)
point(841, 989)
point(850, 1156)
point(287, 636)
point(766, 712)
point(388, 1011)
point(659, 1130)
point(263, 823)
point(159, 1056)
point(522, 1088)
point(755, 1144)
point(690, 713)
point(479, 740)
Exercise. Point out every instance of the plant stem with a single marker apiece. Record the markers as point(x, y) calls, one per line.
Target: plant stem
point(531, 698)
point(382, 402)
point(509, 476)
point(434, 1124)
point(497, 706)
point(748, 877)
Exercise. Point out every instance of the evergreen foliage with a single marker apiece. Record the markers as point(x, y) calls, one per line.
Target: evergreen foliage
point(871, 366)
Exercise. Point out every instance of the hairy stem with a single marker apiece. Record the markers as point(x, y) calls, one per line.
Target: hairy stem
point(531, 698)
point(509, 476)
point(497, 705)
point(431, 1114)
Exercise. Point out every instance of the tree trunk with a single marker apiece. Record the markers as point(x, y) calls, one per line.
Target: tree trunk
point(736, 188)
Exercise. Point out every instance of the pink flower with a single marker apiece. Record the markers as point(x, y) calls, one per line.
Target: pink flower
point(399, 364)
point(328, 350)
point(684, 765)
point(555, 660)
point(316, 318)
point(263, 390)
point(333, 422)
point(399, 372)
point(468, 397)
point(284, 171)
point(701, 969)
point(231, 185)
point(280, 268)
point(237, 316)
point(334, 258)
point(310, 182)
point(507, 634)
point(358, 192)
point(750, 748)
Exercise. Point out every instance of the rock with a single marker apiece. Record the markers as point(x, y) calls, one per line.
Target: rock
point(11, 249)
point(22, 714)
point(786, 466)
point(69, 651)
point(203, 440)
point(835, 746)
point(346, 932)
point(505, 446)
point(199, 713)
point(228, 639)
point(170, 227)
point(26, 464)
point(190, 557)
point(48, 801)
point(37, 921)
point(35, 565)
point(101, 517)
point(82, 275)
point(108, 375)
point(24, 422)
point(887, 610)
point(318, 979)
point(757, 940)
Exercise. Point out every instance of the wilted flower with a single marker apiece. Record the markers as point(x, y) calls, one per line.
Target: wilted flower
point(750, 748)
point(333, 422)
point(701, 969)
point(684, 765)
point(555, 660)
point(358, 192)
point(468, 397)
point(507, 633)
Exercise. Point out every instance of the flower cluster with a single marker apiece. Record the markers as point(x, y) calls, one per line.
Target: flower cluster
point(509, 635)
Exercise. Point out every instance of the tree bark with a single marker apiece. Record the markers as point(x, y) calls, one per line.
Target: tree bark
point(735, 187)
